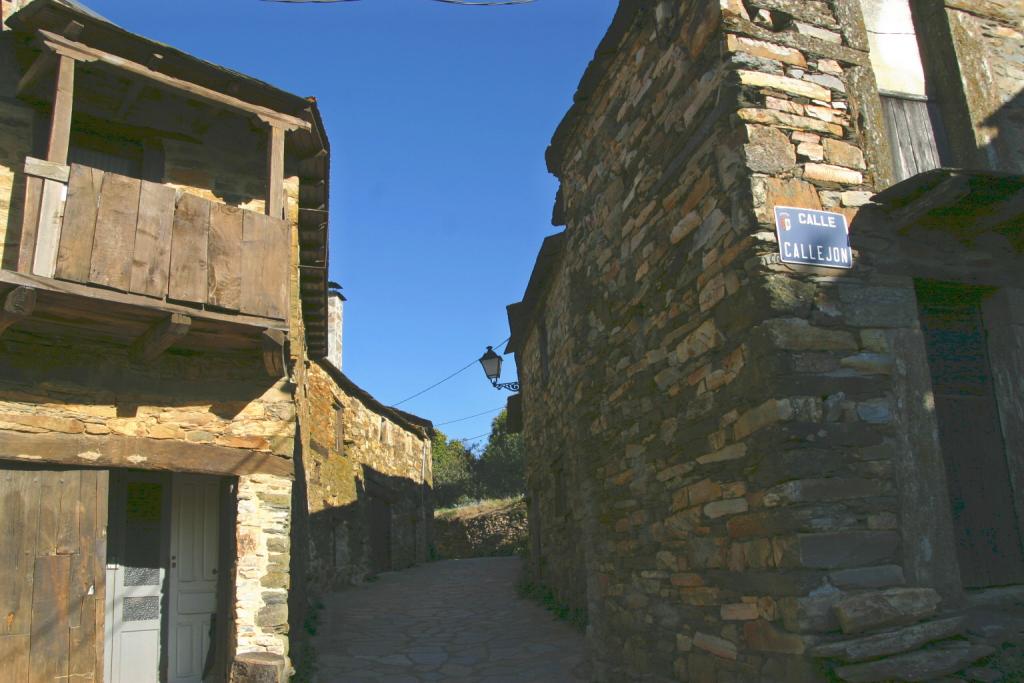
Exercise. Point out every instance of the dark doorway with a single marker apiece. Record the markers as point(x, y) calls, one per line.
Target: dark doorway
point(985, 524)
point(380, 534)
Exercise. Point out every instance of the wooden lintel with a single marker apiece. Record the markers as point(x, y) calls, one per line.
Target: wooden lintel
point(18, 305)
point(73, 30)
point(273, 352)
point(81, 52)
point(45, 284)
point(161, 336)
point(275, 121)
point(79, 450)
point(43, 64)
point(47, 169)
point(946, 193)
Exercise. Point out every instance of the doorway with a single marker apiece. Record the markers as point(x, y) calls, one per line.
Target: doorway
point(163, 562)
point(985, 524)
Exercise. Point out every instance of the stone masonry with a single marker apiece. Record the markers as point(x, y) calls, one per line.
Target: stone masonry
point(732, 461)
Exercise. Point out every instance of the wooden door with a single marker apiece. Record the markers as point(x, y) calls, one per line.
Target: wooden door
point(380, 533)
point(195, 521)
point(136, 571)
point(985, 522)
point(54, 528)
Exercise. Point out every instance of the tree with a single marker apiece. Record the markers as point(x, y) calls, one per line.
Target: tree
point(500, 469)
point(453, 470)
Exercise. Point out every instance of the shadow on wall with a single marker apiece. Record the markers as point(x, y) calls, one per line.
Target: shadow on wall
point(1005, 150)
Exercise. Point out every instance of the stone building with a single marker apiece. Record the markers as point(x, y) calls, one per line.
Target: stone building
point(163, 327)
point(750, 470)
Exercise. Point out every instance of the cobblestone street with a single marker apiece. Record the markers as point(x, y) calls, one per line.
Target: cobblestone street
point(457, 620)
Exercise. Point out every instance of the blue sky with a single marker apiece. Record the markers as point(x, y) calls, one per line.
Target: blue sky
point(438, 117)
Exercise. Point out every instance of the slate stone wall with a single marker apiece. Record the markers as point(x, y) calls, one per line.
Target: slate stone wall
point(726, 454)
point(373, 454)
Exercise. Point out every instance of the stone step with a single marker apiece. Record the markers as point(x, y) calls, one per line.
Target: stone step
point(891, 642)
point(884, 609)
point(921, 665)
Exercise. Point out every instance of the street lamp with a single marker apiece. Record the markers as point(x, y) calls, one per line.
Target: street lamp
point(491, 363)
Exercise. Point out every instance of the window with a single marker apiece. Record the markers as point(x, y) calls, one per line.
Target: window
point(339, 428)
point(916, 136)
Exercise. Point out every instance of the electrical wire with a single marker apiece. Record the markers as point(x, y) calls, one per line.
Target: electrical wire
point(473, 438)
point(454, 374)
point(469, 417)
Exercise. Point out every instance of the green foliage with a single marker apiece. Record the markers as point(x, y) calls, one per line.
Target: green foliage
point(500, 468)
point(461, 477)
point(577, 618)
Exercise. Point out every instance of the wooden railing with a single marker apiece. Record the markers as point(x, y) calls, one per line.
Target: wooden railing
point(111, 231)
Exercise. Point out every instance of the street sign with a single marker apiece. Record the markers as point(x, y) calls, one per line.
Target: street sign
point(813, 238)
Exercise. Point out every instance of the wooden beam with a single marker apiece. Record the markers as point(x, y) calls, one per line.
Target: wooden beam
point(946, 193)
point(47, 169)
point(44, 284)
point(79, 450)
point(161, 336)
point(60, 119)
point(18, 305)
point(63, 46)
point(273, 352)
point(275, 172)
point(40, 67)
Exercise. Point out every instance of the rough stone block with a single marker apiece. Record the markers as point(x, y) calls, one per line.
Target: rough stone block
point(740, 611)
point(259, 667)
point(891, 642)
point(762, 636)
point(844, 154)
point(924, 665)
point(761, 48)
point(769, 150)
point(871, 306)
point(720, 647)
point(793, 86)
point(797, 334)
point(812, 614)
point(830, 174)
point(840, 549)
point(884, 576)
point(892, 607)
point(721, 508)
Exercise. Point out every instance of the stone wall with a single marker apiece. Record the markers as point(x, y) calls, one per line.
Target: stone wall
point(375, 451)
point(726, 454)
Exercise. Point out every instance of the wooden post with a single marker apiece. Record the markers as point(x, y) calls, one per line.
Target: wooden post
point(60, 121)
point(275, 172)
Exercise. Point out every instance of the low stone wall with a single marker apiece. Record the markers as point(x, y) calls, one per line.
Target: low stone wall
point(487, 529)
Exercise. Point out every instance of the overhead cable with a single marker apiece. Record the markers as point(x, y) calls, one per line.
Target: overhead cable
point(437, 384)
point(469, 417)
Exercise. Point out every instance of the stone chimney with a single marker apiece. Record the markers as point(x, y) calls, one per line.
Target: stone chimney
point(335, 322)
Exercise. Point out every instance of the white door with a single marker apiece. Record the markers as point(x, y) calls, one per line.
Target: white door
point(195, 521)
point(136, 562)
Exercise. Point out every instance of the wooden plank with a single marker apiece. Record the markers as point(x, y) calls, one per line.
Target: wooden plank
point(43, 64)
point(265, 255)
point(225, 258)
point(152, 257)
point(189, 240)
point(114, 239)
point(14, 655)
point(79, 227)
point(47, 169)
point(275, 172)
point(48, 232)
point(77, 450)
point(99, 565)
point(60, 118)
point(19, 522)
point(49, 509)
point(83, 296)
point(18, 305)
point(30, 224)
point(49, 647)
point(946, 193)
point(84, 573)
point(63, 46)
point(68, 515)
point(161, 337)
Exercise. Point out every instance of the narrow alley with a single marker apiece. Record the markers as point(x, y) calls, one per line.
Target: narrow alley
point(457, 620)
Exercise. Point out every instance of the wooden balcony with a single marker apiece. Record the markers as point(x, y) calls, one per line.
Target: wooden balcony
point(127, 258)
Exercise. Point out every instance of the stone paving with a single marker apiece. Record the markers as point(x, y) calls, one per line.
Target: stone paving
point(458, 620)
